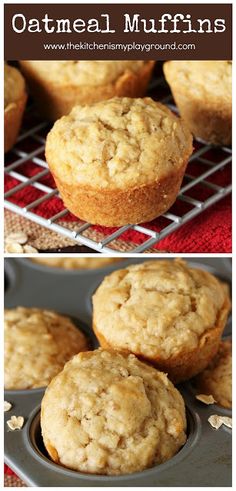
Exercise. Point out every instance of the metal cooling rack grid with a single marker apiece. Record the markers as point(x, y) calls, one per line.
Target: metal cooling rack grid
point(208, 168)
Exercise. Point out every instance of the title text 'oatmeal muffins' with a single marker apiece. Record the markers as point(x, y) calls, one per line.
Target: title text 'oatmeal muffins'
point(14, 104)
point(107, 413)
point(203, 93)
point(165, 312)
point(119, 161)
point(37, 344)
point(216, 379)
point(57, 86)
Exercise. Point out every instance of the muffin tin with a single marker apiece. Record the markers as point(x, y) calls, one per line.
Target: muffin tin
point(204, 460)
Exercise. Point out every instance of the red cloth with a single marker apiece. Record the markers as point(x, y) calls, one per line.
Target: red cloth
point(8, 471)
point(208, 232)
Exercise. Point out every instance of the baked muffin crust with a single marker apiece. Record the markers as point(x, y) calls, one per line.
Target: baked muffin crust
point(119, 143)
point(37, 345)
point(204, 79)
point(119, 161)
point(203, 92)
point(91, 73)
point(14, 85)
point(106, 413)
point(163, 311)
point(59, 86)
point(14, 104)
point(216, 379)
point(75, 262)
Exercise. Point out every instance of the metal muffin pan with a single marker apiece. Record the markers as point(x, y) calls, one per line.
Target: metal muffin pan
point(204, 460)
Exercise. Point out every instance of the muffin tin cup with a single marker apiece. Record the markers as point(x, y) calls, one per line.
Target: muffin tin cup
point(204, 460)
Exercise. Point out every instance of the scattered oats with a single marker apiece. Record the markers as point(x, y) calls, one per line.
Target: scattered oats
point(227, 421)
point(206, 399)
point(13, 247)
point(15, 423)
point(7, 406)
point(217, 421)
point(18, 237)
point(29, 249)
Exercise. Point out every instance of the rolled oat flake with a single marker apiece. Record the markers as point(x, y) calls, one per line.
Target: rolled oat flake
point(15, 423)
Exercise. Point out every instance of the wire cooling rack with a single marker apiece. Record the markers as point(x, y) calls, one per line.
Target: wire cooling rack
point(205, 177)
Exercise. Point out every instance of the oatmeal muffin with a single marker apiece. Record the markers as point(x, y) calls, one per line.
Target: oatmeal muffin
point(119, 161)
point(37, 344)
point(216, 379)
point(60, 85)
point(14, 104)
point(164, 312)
point(108, 413)
point(75, 262)
point(203, 93)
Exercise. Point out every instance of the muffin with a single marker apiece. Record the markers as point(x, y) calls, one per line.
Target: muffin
point(119, 161)
point(108, 413)
point(60, 85)
point(216, 379)
point(37, 344)
point(203, 93)
point(14, 104)
point(75, 262)
point(164, 312)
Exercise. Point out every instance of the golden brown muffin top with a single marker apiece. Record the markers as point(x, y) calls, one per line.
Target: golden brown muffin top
point(157, 308)
point(118, 143)
point(106, 413)
point(203, 79)
point(37, 345)
point(14, 85)
point(75, 262)
point(216, 379)
point(89, 73)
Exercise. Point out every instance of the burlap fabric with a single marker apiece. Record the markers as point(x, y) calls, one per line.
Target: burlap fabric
point(44, 239)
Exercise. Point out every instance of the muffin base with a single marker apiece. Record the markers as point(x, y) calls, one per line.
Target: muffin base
point(114, 208)
point(13, 114)
point(56, 100)
point(186, 364)
point(207, 120)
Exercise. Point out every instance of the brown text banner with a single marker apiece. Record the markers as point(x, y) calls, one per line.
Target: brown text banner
point(122, 31)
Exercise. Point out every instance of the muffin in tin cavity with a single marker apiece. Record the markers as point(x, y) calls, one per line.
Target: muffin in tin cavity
point(111, 414)
point(119, 161)
point(37, 344)
point(216, 379)
point(203, 93)
point(75, 262)
point(165, 312)
point(14, 104)
point(57, 86)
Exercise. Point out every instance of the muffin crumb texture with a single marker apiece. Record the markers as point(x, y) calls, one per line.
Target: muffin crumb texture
point(37, 345)
point(115, 415)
